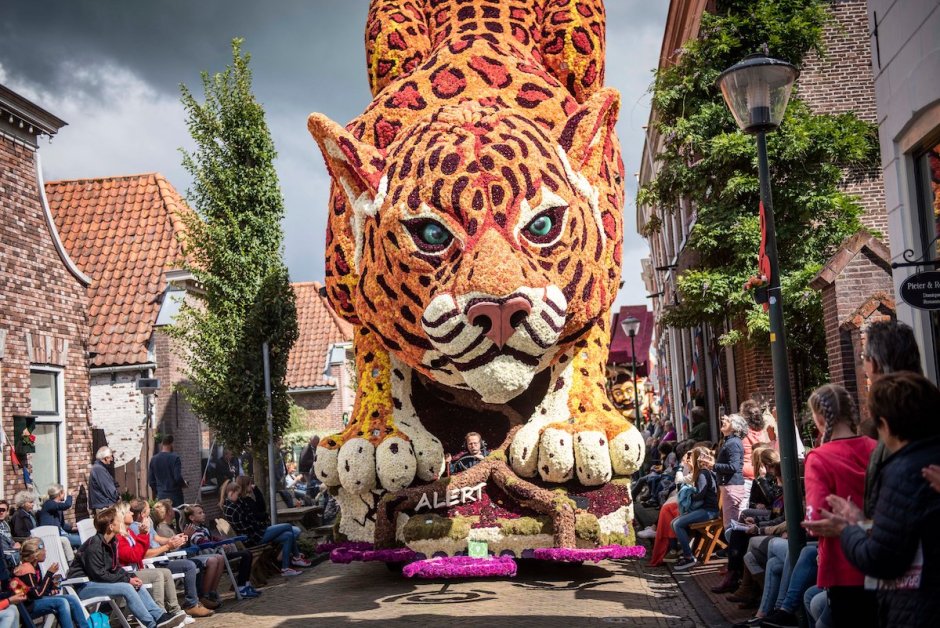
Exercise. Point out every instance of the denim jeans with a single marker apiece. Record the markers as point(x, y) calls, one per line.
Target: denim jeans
point(74, 539)
point(139, 603)
point(284, 535)
point(67, 610)
point(10, 617)
point(776, 556)
point(189, 569)
point(816, 603)
point(794, 583)
point(680, 526)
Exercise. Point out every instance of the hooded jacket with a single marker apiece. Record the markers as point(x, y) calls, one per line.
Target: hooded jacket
point(97, 560)
point(906, 517)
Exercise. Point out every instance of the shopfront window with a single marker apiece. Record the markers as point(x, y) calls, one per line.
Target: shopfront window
point(46, 402)
point(928, 183)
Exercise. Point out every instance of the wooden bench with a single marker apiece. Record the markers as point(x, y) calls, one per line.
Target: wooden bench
point(306, 516)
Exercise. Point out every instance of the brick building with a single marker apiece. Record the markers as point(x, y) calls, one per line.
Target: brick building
point(722, 377)
point(43, 304)
point(320, 368)
point(124, 233)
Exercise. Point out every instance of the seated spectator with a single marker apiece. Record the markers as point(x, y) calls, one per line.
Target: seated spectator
point(899, 550)
point(650, 481)
point(663, 532)
point(42, 593)
point(158, 546)
point(242, 515)
point(53, 514)
point(194, 518)
point(837, 467)
point(475, 452)
point(11, 549)
point(23, 520)
point(10, 601)
point(164, 518)
point(669, 432)
point(704, 503)
point(131, 550)
point(97, 560)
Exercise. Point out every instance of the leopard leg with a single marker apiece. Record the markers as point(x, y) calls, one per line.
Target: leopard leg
point(396, 40)
point(572, 42)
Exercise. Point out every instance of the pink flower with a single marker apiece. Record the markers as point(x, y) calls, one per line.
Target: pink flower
point(461, 567)
point(593, 554)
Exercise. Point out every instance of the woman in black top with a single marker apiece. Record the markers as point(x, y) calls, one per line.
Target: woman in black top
point(729, 467)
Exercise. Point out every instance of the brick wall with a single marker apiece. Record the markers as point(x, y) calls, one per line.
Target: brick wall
point(40, 298)
point(325, 408)
point(841, 81)
point(117, 407)
point(174, 415)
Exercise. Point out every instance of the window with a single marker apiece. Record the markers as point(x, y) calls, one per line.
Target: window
point(928, 201)
point(46, 393)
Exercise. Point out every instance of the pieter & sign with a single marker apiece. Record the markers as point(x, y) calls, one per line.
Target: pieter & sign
point(922, 290)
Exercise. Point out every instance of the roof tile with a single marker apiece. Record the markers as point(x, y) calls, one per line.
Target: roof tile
point(319, 327)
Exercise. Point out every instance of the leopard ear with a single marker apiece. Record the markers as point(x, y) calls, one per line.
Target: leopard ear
point(585, 138)
point(358, 167)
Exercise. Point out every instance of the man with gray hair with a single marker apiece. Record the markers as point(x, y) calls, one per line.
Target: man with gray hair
point(102, 488)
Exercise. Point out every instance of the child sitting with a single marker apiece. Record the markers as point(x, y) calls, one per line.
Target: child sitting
point(194, 522)
point(41, 591)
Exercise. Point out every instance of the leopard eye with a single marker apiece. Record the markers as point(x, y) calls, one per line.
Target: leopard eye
point(545, 227)
point(429, 235)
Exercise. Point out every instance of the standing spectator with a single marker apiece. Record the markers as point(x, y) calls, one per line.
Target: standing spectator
point(102, 488)
point(53, 514)
point(890, 347)
point(699, 419)
point(704, 504)
point(900, 550)
point(228, 467)
point(166, 473)
point(23, 519)
point(729, 467)
point(308, 458)
point(756, 433)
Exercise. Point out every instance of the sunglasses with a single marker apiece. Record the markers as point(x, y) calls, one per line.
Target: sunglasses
point(3, 508)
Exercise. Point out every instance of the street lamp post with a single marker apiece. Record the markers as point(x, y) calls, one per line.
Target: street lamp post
point(631, 326)
point(756, 91)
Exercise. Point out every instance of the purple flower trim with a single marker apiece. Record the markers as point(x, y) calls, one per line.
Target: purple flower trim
point(361, 546)
point(593, 554)
point(461, 567)
point(345, 555)
point(396, 555)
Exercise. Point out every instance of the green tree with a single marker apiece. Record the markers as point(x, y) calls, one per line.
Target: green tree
point(705, 159)
point(234, 249)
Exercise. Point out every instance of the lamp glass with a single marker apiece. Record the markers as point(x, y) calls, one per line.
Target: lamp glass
point(630, 325)
point(757, 90)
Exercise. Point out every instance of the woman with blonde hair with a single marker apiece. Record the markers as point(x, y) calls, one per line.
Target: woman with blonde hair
point(704, 503)
point(131, 549)
point(42, 594)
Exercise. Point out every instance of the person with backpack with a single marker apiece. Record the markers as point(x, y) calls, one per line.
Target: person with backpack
point(703, 506)
point(41, 590)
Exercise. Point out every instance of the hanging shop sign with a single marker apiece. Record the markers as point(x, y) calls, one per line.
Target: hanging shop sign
point(922, 290)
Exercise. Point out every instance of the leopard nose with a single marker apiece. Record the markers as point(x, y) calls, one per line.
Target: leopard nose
point(499, 320)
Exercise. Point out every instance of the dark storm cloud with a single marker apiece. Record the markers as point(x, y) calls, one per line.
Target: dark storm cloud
point(112, 69)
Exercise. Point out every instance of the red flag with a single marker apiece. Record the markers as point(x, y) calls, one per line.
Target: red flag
point(14, 459)
point(763, 262)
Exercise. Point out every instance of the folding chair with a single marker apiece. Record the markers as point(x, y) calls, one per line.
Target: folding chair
point(260, 554)
point(86, 529)
point(93, 604)
point(709, 535)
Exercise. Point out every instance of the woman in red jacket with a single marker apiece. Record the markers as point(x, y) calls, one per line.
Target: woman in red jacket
point(131, 550)
point(837, 467)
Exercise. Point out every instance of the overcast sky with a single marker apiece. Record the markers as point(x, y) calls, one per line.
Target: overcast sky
point(112, 69)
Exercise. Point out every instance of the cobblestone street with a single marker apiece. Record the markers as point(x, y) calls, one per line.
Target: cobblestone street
point(612, 592)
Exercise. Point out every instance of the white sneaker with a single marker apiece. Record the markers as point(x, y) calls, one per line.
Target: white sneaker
point(189, 620)
point(290, 572)
point(647, 533)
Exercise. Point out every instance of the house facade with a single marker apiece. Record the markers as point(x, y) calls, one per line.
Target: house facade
point(320, 376)
point(905, 61)
point(692, 367)
point(43, 320)
point(124, 232)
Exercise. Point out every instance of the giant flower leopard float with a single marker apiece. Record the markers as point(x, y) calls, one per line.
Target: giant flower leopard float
point(474, 241)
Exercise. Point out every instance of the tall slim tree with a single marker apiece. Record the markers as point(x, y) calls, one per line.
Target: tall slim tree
point(234, 247)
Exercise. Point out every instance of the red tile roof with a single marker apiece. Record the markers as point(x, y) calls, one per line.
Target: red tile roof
point(122, 232)
point(319, 328)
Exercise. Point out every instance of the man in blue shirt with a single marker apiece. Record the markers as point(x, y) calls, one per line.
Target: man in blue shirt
point(166, 473)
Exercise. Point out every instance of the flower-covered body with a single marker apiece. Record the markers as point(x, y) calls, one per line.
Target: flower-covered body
point(474, 239)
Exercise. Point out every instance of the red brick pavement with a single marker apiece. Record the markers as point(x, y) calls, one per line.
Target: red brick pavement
point(613, 592)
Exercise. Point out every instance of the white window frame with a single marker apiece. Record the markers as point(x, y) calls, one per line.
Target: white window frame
point(58, 419)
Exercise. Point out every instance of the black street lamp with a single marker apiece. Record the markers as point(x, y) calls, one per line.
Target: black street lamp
point(631, 326)
point(756, 91)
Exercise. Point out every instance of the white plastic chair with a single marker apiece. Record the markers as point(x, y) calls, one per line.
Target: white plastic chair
point(55, 553)
point(86, 529)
